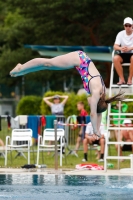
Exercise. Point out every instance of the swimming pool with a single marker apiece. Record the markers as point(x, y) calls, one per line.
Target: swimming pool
point(65, 187)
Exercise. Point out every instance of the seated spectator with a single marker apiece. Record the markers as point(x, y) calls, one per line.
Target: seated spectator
point(90, 138)
point(124, 44)
point(127, 136)
point(81, 120)
point(116, 108)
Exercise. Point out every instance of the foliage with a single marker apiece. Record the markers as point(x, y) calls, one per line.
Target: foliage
point(71, 105)
point(35, 105)
point(61, 22)
point(29, 105)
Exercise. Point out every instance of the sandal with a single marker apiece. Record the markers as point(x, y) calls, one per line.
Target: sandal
point(129, 83)
point(121, 83)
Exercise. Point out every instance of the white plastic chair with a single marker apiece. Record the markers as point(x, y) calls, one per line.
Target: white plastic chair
point(49, 135)
point(20, 140)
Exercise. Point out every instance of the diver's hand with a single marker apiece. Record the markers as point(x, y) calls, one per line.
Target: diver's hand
point(97, 135)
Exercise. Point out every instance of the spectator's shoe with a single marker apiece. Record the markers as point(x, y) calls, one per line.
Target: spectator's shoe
point(84, 160)
point(129, 83)
point(74, 153)
point(121, 83)
point(101, 160)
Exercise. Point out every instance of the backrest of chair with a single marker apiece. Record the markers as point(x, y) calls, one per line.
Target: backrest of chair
point(49, 134)
point(21, 135)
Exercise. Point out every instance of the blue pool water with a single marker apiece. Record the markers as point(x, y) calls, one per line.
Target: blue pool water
point(65, 187)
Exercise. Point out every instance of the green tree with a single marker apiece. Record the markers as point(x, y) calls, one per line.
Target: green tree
point(58, 22)
point(29, 105)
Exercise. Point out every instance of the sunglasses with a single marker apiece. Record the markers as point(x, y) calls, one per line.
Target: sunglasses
point(126, 25)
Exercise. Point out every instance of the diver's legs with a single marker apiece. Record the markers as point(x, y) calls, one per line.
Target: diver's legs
point(64, 61)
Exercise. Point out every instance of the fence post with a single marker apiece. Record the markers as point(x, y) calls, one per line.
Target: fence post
point(56, 152)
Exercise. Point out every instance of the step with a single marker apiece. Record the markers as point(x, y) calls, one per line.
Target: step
point(120, 128)
point(116, 114)
point(120, 86)
point(120, 142)
point(121, 118)
point(127, 100)
point(118, 157)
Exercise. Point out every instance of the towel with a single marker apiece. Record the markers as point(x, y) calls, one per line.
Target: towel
point(33, 123)
point(41, 124)
point(89, 166)
point(73, 120)
point(14, 122)
point(22, 119)
point(50, 121)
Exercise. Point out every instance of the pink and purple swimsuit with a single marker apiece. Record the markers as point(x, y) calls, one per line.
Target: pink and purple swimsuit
point(83, 70)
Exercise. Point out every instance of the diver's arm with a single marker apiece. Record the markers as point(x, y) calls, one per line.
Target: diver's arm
point(93, 114)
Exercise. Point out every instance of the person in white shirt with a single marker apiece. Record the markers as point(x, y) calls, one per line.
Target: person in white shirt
point(57, 106)
point(124, 44)
point(90, 138)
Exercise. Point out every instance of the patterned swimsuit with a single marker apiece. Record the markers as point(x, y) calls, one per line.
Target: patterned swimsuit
point(83, 70)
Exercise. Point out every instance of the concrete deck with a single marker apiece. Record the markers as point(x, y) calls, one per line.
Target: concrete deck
point(46, 171)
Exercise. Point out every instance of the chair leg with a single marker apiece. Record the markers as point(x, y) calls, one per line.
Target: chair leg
point(20, 154)
point(33, 153)
point(11, 156)
point(42, 157)
point(65, 155)
point(6, 156)
point(38, 156)
point(28, 153)
point(61, 154)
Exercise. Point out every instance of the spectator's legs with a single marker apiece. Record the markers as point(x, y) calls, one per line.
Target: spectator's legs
point(86, 141)
point(130, 135)
point(119, 69)
point(122, 132)
point(2, 143)
point(130, 71)
point(85, 147)
point(117, 139)
point(98, 152)
point(132, 149)
point(116, 134)
point(120, 149)
point(102, 144)
point(78, 143)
